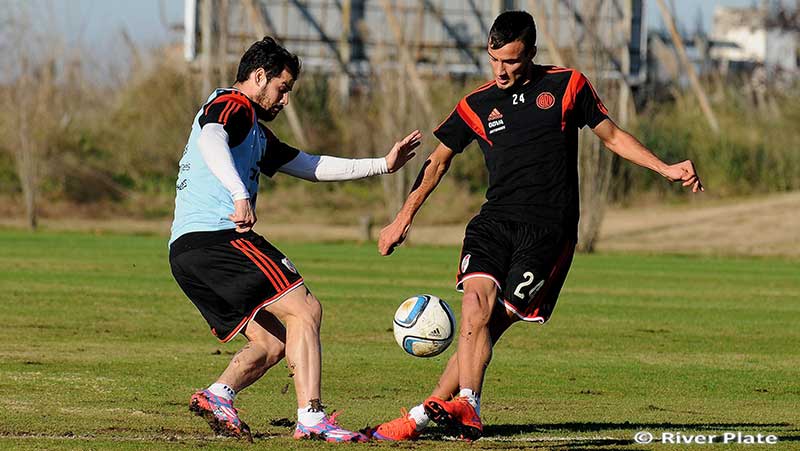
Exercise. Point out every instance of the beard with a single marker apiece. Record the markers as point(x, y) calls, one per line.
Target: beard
point(267, 114)
point(272, 113)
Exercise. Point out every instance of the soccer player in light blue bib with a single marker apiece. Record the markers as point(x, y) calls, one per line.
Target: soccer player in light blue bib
point(238, 281)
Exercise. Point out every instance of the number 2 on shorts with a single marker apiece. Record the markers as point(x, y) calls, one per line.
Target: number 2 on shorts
point(528, 280)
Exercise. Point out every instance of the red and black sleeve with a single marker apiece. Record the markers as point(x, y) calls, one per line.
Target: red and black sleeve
point(234, 112)
point(589, 109)
point(277, 153)
point(454, 132)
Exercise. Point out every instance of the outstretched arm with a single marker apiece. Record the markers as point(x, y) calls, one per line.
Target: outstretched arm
point(324, 168)
point(432, 172)
point(625, 145)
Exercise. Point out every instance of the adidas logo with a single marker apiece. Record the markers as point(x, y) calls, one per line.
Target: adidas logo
point(495, 115)
point(436, 332)
point(496, 121)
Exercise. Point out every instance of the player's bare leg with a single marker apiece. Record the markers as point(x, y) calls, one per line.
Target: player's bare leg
point(474, 353)
point(448, 384)
point(265, 347)
point(475, 339)
point(301, 312)
point(411, 423)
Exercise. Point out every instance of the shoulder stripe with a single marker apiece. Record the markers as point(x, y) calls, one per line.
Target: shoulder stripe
point(232, 110)
point(480, 88)
point(232, 98)
point(557, 69)
point(223, 116)
point(600, 104)
point(576, 82)
point(473, 121)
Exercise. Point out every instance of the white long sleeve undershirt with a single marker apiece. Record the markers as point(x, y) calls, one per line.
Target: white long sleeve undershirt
point(214, 148)
point(324, 168)
point(213, 144)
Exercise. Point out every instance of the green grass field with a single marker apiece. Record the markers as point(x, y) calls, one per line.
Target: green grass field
point(102, 351)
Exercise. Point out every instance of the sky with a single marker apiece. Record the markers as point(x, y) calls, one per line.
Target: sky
point(99, 23)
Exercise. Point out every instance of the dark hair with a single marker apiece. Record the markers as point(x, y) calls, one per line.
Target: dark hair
point(270, 56)
point(513, 26)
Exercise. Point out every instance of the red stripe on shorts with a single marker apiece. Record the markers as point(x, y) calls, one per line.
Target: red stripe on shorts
point(267, 272)
point(267, 260)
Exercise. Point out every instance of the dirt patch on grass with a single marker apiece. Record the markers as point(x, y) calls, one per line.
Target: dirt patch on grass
point(768, 226)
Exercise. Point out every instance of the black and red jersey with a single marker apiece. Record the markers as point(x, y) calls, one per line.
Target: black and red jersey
point(529, 138)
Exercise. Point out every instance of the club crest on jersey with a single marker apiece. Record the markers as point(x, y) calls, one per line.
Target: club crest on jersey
point(465, 263)
point(496, 121)
point(545, 100)
point(289, 265)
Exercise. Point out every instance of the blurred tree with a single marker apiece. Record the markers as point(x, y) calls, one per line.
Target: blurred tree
point(34, 112)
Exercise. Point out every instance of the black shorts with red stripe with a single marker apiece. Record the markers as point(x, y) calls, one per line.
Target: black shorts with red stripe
point(528, 263)
point(230, 276)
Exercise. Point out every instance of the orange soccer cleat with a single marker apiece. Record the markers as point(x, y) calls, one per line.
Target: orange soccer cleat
point(457, 415)
point(399, 429)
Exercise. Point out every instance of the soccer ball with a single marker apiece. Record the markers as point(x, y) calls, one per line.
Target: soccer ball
point(424, 325)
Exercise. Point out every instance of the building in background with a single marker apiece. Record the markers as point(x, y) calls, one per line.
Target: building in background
point(756, 42)
point(745, 38)
point(352, 37)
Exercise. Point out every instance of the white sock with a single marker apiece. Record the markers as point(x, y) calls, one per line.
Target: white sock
point(419, 416)
point(472, 399)
point(222, 390)
point(308, 418)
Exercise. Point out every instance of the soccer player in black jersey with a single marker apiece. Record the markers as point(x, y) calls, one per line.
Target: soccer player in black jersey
point(518, 249)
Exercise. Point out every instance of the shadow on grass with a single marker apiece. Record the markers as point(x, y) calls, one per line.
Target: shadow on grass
point(562, 435)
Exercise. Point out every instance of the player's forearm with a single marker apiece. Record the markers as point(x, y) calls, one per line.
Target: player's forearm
point(213, 144)
point(334, 169)
point(428, 179)
point(324, 168)
point(628, 147)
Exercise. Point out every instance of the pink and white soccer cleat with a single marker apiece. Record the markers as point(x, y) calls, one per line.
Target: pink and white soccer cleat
point(220, 415)
point(329, 430)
